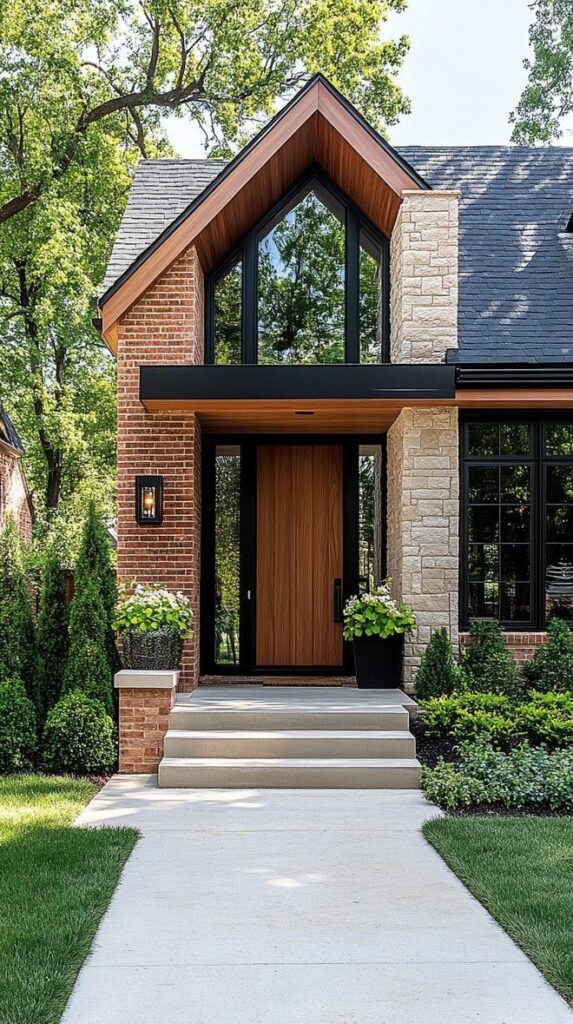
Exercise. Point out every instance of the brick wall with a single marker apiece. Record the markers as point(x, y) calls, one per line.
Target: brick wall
point(423, 523)
point(143, 722)
point(424, 278)
point(13, 493)
point(165, 326)
point(521, 645)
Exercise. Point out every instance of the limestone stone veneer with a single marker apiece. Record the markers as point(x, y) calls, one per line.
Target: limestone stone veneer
point(423, 523)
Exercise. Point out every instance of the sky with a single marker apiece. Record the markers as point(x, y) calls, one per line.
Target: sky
point(464, 74)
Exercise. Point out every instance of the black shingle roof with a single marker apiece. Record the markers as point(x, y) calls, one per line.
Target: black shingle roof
point(516, 261)
point(8, 432)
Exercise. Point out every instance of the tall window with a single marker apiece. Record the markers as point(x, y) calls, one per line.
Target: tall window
point(308, 285)
point(301, 286)
point(227, 553)
point(517, 543)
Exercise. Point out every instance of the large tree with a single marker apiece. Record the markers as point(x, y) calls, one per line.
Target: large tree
point(548, 96)
point(84, 85)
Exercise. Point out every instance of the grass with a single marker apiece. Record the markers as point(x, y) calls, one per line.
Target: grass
point(55, 883)
point(521, 869)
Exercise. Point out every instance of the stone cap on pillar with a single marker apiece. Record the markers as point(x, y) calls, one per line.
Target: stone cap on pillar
point(145, 679)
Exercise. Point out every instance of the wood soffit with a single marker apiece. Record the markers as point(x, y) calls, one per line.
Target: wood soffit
point(317, 126)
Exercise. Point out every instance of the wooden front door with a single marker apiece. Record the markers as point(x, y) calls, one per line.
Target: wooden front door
point(299, 555)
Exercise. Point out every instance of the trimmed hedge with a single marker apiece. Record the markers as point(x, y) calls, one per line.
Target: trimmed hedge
point(543, 718)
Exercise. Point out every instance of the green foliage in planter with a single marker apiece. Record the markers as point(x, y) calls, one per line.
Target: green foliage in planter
point(376, 613)
point(79, 737)
point(546, 718)
point(149, 608)
point(52, 631)
point(526, 777)
point(17, 727)
point(18, 652)
point(487, 663)
point(551, 668)
point(88, 667)
point(469, 716)
point(438, 672)
point(94, 565)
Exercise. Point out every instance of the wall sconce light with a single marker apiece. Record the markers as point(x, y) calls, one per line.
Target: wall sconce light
point(149, 500)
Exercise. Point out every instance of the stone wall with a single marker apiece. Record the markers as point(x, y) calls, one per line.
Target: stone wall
point(165, 326)
point(423, 523)
point(424, 278)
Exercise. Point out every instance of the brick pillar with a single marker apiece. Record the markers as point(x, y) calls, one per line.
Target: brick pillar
point(423, 523)
point(165, 326)
point(424, 277)
point(145, 702)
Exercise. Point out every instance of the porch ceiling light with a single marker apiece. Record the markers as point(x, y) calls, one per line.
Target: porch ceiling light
point(149, 500)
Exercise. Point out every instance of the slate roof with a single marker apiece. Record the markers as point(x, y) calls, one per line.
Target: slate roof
point(516, 260)
point(8, 432)
point(160, 192)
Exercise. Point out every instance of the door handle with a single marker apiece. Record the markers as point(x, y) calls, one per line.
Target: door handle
point(338, 600)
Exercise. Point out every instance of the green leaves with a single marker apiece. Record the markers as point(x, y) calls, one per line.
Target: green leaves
point(150, 608)
point(376, 614)
point(548, 96)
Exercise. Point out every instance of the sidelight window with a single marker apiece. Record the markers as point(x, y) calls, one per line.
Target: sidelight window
point(517, 538)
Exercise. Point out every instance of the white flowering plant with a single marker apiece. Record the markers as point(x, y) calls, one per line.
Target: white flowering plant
point(148, 607)
point(376, 613)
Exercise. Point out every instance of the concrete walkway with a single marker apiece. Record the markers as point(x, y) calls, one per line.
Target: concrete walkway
point(295, 907)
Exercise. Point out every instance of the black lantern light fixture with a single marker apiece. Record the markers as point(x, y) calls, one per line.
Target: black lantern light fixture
point(149, 500)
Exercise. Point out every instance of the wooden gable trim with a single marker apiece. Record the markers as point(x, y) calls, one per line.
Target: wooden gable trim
point(317, 99)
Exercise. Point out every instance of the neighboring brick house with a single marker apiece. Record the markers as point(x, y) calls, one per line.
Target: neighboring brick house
point(14, 495)
point(338, 361)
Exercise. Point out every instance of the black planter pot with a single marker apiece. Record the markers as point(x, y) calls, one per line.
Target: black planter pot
point(378, 661)
point(159, 651)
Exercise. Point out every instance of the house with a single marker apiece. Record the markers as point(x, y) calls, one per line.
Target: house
point(15, 499)
point(337, 361)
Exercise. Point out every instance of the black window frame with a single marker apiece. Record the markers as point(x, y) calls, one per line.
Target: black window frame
point(538, 461)
point(357, 226)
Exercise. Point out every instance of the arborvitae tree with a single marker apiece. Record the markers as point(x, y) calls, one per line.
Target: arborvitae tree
point(88, 668)
point(438, 673)
point(18, 652)
point(551, 668)
point(488, 663)
point(52, 631)
point(95, 565)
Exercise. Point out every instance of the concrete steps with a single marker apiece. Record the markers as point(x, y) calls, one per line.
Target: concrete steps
point(225, 738)
point(289, 773)
point(301, 743)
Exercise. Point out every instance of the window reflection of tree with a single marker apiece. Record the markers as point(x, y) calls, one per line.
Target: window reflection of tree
point(301, 287)
point(227, 558)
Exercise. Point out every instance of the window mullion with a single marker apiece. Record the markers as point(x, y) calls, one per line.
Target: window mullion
point(250, 305)
point(352, 287)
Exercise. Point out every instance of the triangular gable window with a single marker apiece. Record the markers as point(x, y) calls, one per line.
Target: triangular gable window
point(308, 285)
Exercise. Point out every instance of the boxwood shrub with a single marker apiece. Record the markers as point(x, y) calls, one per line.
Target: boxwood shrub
point(544, 719)
point(79, 737)
point(17, 727)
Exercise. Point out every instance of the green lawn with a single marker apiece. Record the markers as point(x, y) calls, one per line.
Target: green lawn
point(521, 869)
point(55, 883)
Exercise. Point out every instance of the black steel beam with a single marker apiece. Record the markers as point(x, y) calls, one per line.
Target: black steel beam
point(250, 382)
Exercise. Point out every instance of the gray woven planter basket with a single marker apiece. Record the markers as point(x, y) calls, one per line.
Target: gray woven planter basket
point(159, 651)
